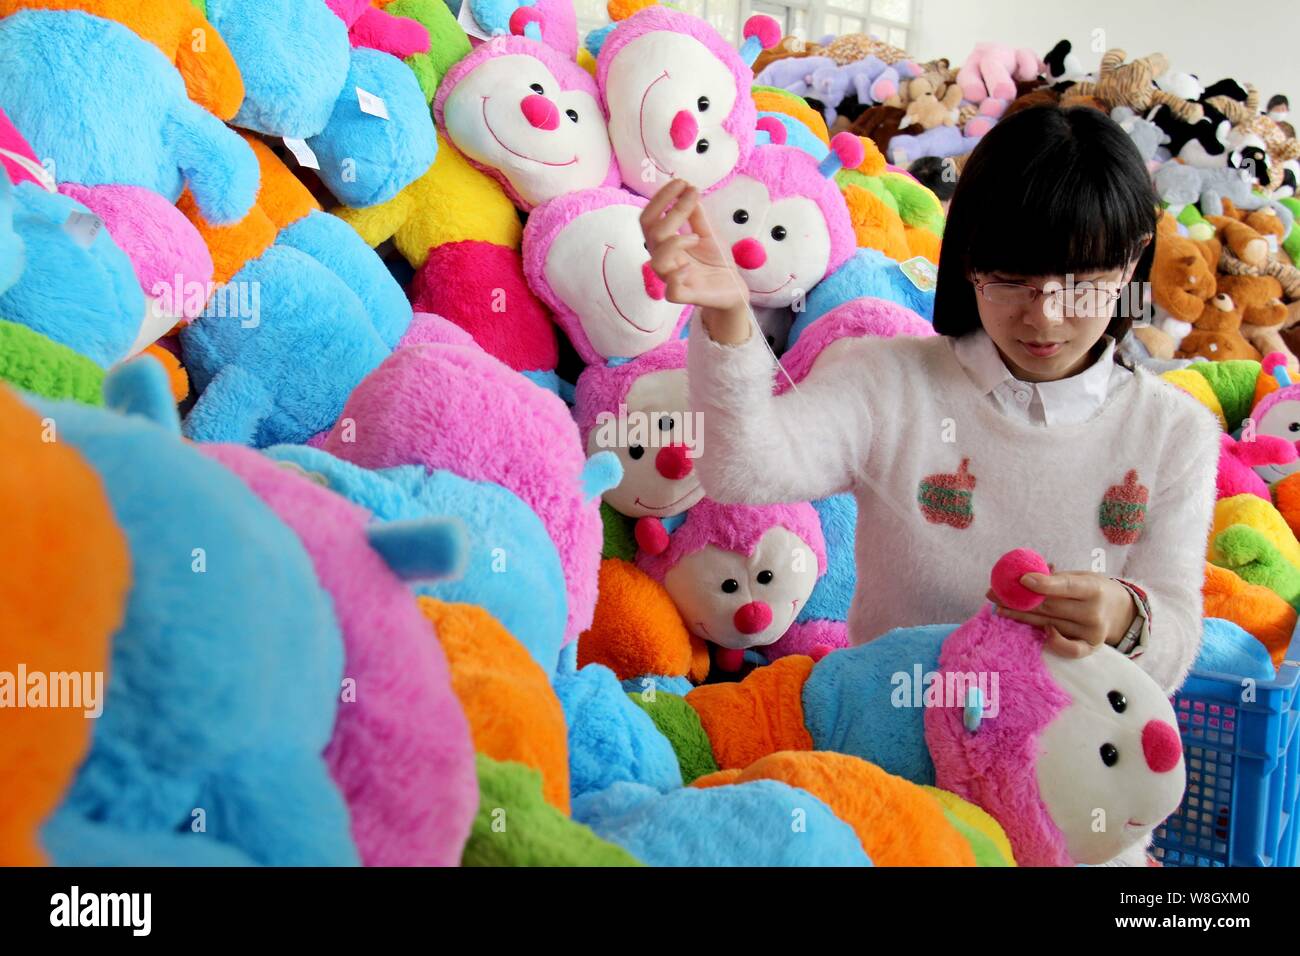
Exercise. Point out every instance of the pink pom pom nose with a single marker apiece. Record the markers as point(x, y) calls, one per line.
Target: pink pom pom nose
point(673, 462)
point(540, 111)
point(1161, 746)
point(1005, 579)
point(654, 286)
point(749, 254)
point(683, 129)
point(752, 617)
point(775, 130)
point(520, 19)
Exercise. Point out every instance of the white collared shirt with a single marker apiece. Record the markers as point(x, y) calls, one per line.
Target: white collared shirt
point(1067, 401)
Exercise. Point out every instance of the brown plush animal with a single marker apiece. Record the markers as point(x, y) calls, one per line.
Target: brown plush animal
point(790, 46)
point(926, 110)
point(1182, 272)
point(878, 124)
point(1133, 85)
point(1260, 298)
point(1216, 334)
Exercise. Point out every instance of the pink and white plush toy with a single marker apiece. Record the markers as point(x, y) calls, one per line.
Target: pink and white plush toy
point(553, 22)
point(569, 242)
point(992, 70)
point(527, 117)
point(739, 574)
point(678, 97)
point(638, 410)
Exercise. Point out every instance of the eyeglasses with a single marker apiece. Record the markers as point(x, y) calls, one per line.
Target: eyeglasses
point(1087, 298)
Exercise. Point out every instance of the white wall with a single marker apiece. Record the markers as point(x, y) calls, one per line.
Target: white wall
point(1253, 43)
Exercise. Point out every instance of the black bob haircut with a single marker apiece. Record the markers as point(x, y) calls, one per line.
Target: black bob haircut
point(1048, 191)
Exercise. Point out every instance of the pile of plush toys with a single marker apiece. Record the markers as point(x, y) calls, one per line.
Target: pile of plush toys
point(344, 414)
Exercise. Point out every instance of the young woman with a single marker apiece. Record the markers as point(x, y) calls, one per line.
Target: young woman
point(1017, 426)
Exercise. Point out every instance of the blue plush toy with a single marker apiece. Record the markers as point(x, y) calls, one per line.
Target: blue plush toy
point(12, 250)
point(833, 592)
point(869, 273)
point(224, 679)
point(108, 108)
point(512, 568)
point(1228, 649)
point(78, 288)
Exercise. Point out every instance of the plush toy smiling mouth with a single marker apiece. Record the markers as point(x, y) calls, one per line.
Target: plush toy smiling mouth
point(776, 290)
point(604, 276)
point(671, 504)
point(641, 125)
point(512, 152)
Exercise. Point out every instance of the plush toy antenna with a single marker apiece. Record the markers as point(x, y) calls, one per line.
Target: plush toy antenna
point(420, 549)
point(761, 33)
point(602, 472)
point(1006, 575)
point(526, 22)
point(140, 387)
point(847, 152)
point(1275, 364)
point(774, 128)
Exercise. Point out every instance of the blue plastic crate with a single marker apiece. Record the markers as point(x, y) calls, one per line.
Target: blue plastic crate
point(1240, 808)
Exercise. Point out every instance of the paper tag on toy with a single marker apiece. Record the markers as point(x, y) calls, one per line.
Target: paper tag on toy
point(302, 152)
point(921, 272)
point(38, 172)
point(83, 227)
point(374, 105)
point(469, 24)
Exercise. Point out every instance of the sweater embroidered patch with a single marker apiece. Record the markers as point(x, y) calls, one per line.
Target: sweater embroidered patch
point(945, 497)
point(1123, 511)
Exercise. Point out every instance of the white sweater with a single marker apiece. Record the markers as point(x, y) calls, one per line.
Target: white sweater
point(893, 421)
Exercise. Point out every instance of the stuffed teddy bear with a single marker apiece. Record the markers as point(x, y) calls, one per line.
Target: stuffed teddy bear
point(230, 754)
point(1216, 333)
point(696, 124)
point(1182, 278)
point(926, 110)
point(739, 574)
point(1264, 314)
point(552, 22)
point(948, 705)
point(574, 237)
point(1133, 85)
point(529, 118)
point(60, 524)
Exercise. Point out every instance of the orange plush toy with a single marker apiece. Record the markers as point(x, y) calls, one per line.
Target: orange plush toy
point(64, 577)
point(1216, 333)
point(1252, 607)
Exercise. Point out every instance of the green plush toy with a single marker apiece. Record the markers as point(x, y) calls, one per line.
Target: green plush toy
point(34, 363)
point(1255, 559)
point(447, 41)
point(679, 722)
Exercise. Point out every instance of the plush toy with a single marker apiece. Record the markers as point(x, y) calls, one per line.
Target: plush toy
point(60, 524)
point(230, 752)
point(1254, 608)
point(574, 237)
point(1277, 415)
point(1182, 278)
point(447, 40)
point(527, 117)
point(1146, 136)
point(457, 408)
point(794, 74)
point(869, 80)
point(696, 124)
point(1216, 333)
point(371, 26)
point(1133, 85)
point(942, 141)
point(739, 574)
point(552, 22)
point(1239, 459)
point(926, 110)
point(868, 275)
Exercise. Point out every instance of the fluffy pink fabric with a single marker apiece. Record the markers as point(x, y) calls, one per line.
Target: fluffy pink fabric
point(808, 637)
point(480, 287)
point(790, 171)
point(853, 319)
point(12, 140)
point(456, 408)
point(994, 767)
point(601, 388)
point(566, 71)
point(1005, 577)
point(1237, 461)
point(740, 123)
point(429, 329)
point(401, 752)
point(169, 255)
point(735, 528)
point(559, 25)
point(544, 224)
point(371, 27)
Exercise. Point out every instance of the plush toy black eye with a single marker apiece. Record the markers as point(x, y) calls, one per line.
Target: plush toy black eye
point(730, 586)
point(537, 88)
point(1293, 427)
point(572, 114)
point(702, 104)
point(635, 452)
point(1118, 702)
point(764, 577)
point(778, 233)
point(740, 217)
point(702, 146)
point(665, 423)
point(1109, 755)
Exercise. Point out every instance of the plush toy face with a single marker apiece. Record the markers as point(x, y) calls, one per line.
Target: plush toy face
point(653, 481)
point(739, 601)
point(669, 96)
point(511, 114)
point(1114, 750)
point(1279, 415)
point(782, 246)
point(598, 269)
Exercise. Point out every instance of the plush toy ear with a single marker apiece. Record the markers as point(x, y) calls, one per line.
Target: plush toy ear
point(220, 168)
point(602, 472)
point(140, 387)
point(420, 549)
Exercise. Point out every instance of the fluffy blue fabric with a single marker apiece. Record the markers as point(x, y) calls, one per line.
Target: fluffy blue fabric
point(847, 709)
point(294, 57)
point(223, 682)
point(511, 566)
point(869, 273)
point(748, 824)
point(596, 38)
point(71, 840)
point(833, 593)
point(140, 387)
point(798, 134)
point(1226, 648)
point(611, 739)
point(107, 107)
point(418, 549)
point(283, 372)
point(494, 15)
point(335, 245)
point(681, 686)
point(366, 159)
point(84, 296)
point(12, 254)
